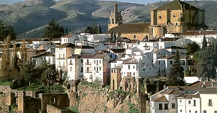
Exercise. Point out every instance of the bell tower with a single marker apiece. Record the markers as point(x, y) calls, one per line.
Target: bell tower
point(115, 18)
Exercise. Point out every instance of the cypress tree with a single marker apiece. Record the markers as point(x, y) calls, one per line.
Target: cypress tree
point(204, 43)
point(23, 52)
point(5, 63)
point(176, 74)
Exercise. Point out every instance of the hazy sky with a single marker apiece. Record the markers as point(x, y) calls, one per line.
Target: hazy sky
point(132, 1)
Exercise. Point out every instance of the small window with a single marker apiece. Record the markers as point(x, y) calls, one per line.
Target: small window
point(171, 62)
point(180, 110)
point(159, 17)
point(165, 106)
point(133, 67)
point(81, 60)
point(134, 36)
point(180, 101)
point(204, 111)
point(128, 66)
point(70, 68)
point(160, 107)
point(194, 102)
point(173, 105)
point(174, 16)
point(215, 111)
point(195, 111)
point(189, 102)
point(189, 111)
point(210, 102)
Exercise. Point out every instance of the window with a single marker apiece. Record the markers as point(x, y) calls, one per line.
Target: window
point(174, 16)
point(180, 110)
point(180, 101)
point(159, 17)
point(215, 111)
point(165, 106)
point(81, 69)
point(210, 102)
point(134, 36)
point(194, 102)
point(195, 111)
point(189, 102)
point(160, 107)
point(99, 68)
point(99, 61)
point(204, 111)
point(128, 66)
point(158, 62)
point(173, 105)
point(87, 69)
point(133, 67)
point(171, 62)
point(70, 68)
point(189, 111)
point(81, 60)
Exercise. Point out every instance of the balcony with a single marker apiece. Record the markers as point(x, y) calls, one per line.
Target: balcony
point(87, 63)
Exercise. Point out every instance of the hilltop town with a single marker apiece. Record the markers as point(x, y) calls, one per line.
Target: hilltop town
point(167, 65)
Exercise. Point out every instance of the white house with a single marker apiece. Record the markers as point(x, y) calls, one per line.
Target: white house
point(69, 39)
point(44, 57)
point(91, 67)
point(62, 53)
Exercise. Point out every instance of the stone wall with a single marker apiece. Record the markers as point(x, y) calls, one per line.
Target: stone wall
point(53, 109)
point(58, 100)
point(5, 89)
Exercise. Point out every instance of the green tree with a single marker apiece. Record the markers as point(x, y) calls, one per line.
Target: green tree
point(176, 74)
point(5, 31)
point(99, 31)
point(23, 52)
point(204, 43)
point(49, 75)
point(192, 47)
point(5, 63)
point(53, 30)
point(94, 29)
point(205, 69)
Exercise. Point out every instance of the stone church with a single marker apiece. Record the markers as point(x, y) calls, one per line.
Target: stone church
point(174, 17)
point(133, 31)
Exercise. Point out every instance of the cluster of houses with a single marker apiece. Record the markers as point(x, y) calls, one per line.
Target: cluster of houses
point(93, 57)
point(199, 97)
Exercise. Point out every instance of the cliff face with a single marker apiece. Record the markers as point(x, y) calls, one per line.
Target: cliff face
point(92, 98)
point(100, 100)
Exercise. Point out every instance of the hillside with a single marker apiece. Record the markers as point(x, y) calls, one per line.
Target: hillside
point(30, 17)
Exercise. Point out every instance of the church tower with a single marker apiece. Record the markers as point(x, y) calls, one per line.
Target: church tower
point(115, 18)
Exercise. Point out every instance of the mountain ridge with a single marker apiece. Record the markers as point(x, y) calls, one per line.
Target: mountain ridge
point(29, 18)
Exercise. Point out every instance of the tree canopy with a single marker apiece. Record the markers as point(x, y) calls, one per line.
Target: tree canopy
point(53, 30)
point(176, 74)
point(6, 30)
point(94, 29)
point(192, 47)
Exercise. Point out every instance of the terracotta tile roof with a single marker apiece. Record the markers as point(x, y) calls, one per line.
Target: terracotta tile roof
point(66, 45)
point(84, 47)
point(173, 91)
point(190, 96)
point(42, 54)
point(55, 39)
point(177, 5)
point(208, 91)
point(118, 50)
point(192, 33)
point(131, 28)
point(161, 99)
point(67, 36)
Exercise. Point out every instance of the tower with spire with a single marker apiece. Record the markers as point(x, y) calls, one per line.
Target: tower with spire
point(115, 17)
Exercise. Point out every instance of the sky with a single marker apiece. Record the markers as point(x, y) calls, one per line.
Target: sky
point(131, 1)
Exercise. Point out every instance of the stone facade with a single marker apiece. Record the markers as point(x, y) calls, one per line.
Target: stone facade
point(53, 109)
point(115, 18)
point(58, 100)
point(175, 17)
point(115, 78)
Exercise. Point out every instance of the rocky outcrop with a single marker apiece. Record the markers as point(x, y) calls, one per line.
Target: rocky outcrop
point(104, 100)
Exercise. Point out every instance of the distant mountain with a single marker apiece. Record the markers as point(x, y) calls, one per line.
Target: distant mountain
point(29, 18)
